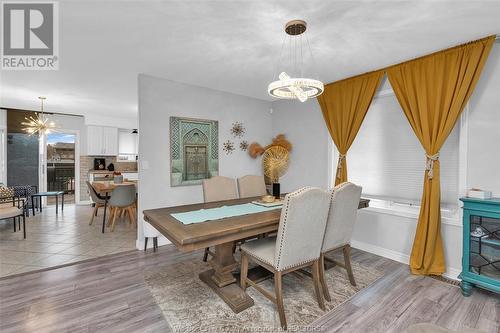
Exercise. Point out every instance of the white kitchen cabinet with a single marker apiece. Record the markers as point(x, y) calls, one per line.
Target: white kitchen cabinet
point(102, 141)
point(127, 142)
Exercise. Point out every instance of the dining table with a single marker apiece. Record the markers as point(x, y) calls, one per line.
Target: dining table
point(222, 234)
point(105, 189)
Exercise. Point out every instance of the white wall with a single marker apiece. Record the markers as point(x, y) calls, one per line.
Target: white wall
point(391, 235)
point(160, 99)
point(483, 168)
point(304, 126)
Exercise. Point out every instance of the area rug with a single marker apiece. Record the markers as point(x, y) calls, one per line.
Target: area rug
point(191, 306)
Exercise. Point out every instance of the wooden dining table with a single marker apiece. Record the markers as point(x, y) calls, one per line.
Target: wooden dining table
point(221, 234)
point(105, 189)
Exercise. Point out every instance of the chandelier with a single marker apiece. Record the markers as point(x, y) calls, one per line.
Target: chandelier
point(299, 87)
point(39, 123)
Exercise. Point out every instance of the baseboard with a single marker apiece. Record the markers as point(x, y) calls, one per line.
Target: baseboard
point(451, 273)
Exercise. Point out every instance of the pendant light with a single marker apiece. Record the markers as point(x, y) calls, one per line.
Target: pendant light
point(39, 123)
point(296, 86)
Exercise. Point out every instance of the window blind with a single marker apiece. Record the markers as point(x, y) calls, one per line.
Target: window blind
point(388, 161)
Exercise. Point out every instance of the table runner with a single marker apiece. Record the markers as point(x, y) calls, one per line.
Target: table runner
point(203, 215)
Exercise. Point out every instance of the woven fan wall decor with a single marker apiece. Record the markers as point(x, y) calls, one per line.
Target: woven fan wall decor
point(275, 162)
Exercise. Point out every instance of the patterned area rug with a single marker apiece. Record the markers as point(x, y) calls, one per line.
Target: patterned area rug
point(191, 306)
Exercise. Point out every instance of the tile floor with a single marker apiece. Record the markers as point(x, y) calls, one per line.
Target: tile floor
point(54, 240)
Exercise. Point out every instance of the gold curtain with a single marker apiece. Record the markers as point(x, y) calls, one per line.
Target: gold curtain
point(344, 105)
point(433, 91)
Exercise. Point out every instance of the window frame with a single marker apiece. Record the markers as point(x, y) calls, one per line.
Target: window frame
point(450, 214)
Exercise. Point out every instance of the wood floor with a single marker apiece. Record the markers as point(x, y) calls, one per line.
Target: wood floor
point(109, 295)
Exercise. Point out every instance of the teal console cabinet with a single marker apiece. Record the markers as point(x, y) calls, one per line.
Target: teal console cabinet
point(481, 245)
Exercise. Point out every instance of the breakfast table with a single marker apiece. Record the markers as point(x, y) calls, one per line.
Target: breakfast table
point(219, 224)
point(105, 189)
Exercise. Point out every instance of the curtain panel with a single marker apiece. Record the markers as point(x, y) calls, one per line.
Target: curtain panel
point(344, 105)
point(433, 92)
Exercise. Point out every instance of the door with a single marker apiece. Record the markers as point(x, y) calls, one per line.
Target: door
point(95, 138)
point(110, 135)
point(195, 159)
point(60, 165)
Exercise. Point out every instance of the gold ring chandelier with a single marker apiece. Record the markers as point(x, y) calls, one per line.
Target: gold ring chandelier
point(300, 87)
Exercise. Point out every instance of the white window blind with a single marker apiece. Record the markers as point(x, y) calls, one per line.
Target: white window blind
point(388, 161)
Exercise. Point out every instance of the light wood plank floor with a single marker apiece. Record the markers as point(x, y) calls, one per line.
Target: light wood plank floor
point(108, 294)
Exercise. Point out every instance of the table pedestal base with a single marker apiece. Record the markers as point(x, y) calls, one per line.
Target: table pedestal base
point(232, 294)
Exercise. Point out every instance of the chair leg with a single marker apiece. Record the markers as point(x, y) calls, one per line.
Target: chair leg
point(24, 226)
point(322, 278)
point(145, 243)
point(244, 271)
point(114, 218)
point(155, 244)
point(94, 213)
point(112, 212)
point(14, 223)
point(279, 299)
point(347, 260)
point(205, 255)
point(131, 215)
point(317, 284)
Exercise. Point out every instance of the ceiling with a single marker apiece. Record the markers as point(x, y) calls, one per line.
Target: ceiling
point(229, 45)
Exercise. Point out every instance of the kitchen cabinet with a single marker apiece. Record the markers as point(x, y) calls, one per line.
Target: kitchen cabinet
point(102, 141)
point(127, 143)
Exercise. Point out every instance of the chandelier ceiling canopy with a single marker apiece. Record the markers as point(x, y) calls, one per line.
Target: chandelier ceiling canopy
point(296, 86)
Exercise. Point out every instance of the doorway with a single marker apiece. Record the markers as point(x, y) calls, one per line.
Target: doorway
point(60, 165)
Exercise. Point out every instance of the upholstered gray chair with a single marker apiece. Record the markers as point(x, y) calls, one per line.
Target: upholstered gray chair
point(339, 228)
point(218, 188)
point(251, 186)
point(98, 200)
point(122, 199)
point(297, 244)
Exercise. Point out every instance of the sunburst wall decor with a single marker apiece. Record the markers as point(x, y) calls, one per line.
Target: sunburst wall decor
point(243, 145)
point(228, 147)
point(237, 130)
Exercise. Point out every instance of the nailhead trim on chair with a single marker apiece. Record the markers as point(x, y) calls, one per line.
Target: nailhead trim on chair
point(257, 257)
point(291, 195)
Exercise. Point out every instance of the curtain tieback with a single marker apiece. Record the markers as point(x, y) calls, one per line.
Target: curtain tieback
point(339, 165)
point(429, 165)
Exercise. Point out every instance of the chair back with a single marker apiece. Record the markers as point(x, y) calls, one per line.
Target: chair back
point(342, 216)
point(93, 194)
point(123, 196)
point(251, 186)
point(219, 188)
point(302, 227)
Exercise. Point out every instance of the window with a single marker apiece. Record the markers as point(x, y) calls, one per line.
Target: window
point(388, 161)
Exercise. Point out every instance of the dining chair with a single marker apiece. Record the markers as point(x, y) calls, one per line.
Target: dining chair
point(97, 199)
point(218, 188)
point(297, 244)
point(251, 186)
point(122, 199)
point(339, 228)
